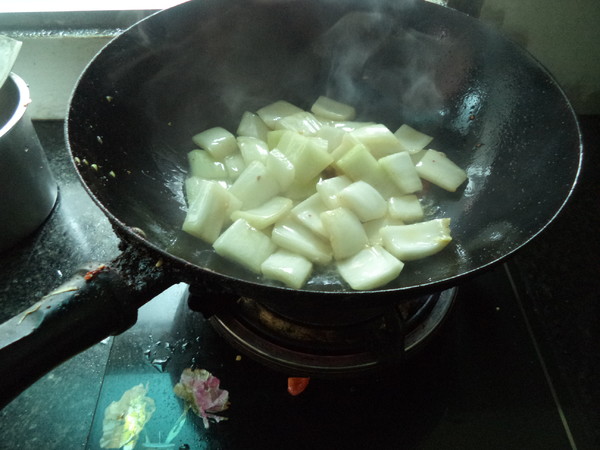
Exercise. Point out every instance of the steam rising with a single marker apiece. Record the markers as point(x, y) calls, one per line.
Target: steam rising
point(372, 52)
point(243, 55)
point(196, 72)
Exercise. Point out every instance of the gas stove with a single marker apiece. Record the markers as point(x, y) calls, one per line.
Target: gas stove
point(505, 360)
point(326, 349)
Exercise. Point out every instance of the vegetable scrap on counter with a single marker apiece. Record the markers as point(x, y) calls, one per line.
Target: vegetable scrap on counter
point(125, 419)
point(200, 391)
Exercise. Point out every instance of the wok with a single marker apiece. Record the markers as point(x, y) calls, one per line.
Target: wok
point(489, 105)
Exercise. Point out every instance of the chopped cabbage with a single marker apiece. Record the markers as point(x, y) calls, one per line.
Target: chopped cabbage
point(297, 189)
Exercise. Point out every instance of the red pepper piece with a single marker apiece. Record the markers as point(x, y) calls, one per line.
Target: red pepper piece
point(297, 385)
point(92, 273)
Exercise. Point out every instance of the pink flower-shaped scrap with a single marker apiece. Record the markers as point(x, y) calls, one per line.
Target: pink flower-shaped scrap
point(201, 392)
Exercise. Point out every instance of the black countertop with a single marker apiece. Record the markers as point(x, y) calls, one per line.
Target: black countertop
point(515, 366)
point(558, 279)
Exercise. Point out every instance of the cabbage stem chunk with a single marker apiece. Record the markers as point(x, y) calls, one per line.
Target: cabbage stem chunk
point(298, 188)
point(265, 215)
point(209, 211)
point(217, 141)
point(244, 244)
point(411, 139)
point(328, 108)
point(290, 268)
point(345, 231)
point(370, 268)
point(363, 200)
point(438, 169)
point(291, 235)
point(417, 240)
point(255, 185)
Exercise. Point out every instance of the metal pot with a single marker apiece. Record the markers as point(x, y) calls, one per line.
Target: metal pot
point(29, 190)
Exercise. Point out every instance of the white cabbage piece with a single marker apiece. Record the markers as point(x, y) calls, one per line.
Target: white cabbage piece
point(274, 112)
point(209, 210)
point(370, 268)
point(290, 268)
point(330, 188)
point(347, 143)
point(328, 108)
point(332, 135)
point(417, 240)
point(406, 208)
point(301, 122)
point(252, 125)
point(363, 200)
point(347, 125)
point(378, 139)
point(217, 141)
point(266, 214)
point(245, 245)
point(416, 157)
point(291, 235)
point(309, 155)
point(203, 165)
point(412, 140)
point(255, 185)
point(252, 149)
point(373, 227)
point(437, 168)
point(235, 165)
point(273, 138)
point(282, 169)
point(345, 231)
point(401, 170)
point(192, 186)
point(308, 212)
point(359, 164)
point(300, 190)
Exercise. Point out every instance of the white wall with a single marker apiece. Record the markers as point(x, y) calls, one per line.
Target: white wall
point(564, 35)
point(51, 67)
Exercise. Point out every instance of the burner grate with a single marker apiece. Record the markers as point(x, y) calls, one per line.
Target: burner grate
point(309, 348)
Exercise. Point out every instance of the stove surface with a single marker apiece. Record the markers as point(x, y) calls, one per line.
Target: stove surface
point(514, 366)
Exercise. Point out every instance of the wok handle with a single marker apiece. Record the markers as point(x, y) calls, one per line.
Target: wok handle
point(92, 305)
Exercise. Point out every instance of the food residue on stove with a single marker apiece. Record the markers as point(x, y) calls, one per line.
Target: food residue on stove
point(92, 273)
point(138, 231)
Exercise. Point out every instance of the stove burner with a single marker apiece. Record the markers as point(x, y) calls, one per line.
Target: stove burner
point(305, 348)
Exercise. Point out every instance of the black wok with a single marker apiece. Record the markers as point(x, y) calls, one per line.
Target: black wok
point(490, 106)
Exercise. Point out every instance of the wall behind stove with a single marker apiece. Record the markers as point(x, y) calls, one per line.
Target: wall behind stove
point(564, 35)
